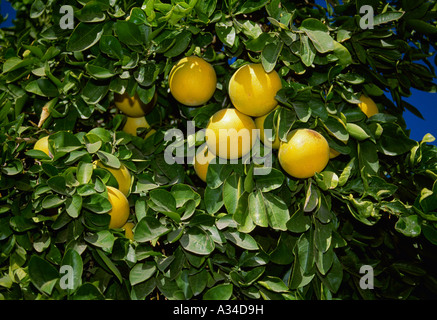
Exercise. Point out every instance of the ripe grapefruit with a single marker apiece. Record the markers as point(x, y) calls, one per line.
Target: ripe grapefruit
point(305, 153)
point(128, 232)
point(122, 175)
point(120, 208)
point(192, 81)
point(202, 160)
point(368, 106)
point(132, 124)
point(230, 134)
point(252, 90)
point(133, 106)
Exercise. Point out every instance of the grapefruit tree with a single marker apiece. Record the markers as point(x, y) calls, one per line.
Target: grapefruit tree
point(217, 230)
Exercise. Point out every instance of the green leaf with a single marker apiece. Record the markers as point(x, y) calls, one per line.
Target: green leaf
point(274, 284)
point(342, 53)
point(243, 240)
point(408, 225)
point(422, 26)
point(15, 63)
point(73, 259)
point(37, 9)
point(226, 32)
point(387, 17)
point(88, 291)
point(368, 158)
point(394, 141)
point(163, 200)
point(198, 281)
point(257, 209)
point(52, 201)
point(128, 33)
point(91, 12)
point(102, 239)
point(42, 274)
point(84, 36)
point(108, 262)
point(74, 206)
point(57, 184)
point(213, 199)
point(197, 241)
point(318, 33)
point(271, 181)
point(250, 6)
point(109, 159)
point(219, 292)
point(322, 236)
point(111, 46)
point(148, 229)
point(97, 203)
point(84, 172)
point(277, 211)
point(299, 222)
point(141, 272)
point(270, 55)
point(232, 190)
point(13, 167)
point(183, 39)
point(357, 131)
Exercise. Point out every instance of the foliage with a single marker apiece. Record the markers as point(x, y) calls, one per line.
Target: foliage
point(240, 235)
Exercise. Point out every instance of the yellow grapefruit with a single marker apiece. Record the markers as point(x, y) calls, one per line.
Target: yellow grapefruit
point(120, 208)
point(202, 160)
point(252, 90)
point(305, 153)
point(133, 106)
point(122, 175)
point(229, 134)
point(333, 153)
point(132, 124)
point(192, 81)
point(368, 106)
point(128, 232)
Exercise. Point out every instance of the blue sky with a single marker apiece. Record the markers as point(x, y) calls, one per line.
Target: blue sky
point(424, 101)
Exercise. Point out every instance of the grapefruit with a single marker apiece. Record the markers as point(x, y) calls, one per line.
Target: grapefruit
point(230, 134)
point(192, 81)
point(305, 153)
point(120, 208)
point(252, 90)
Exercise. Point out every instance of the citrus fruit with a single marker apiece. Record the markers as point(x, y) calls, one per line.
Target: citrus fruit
point(368, 106)
point(122, 175)
point(192, 81)
point(43, 145)
point(229, 134)
point(333, 153)
point(259, 123)
point(252, 90)
point(305, 153)
point(128, 233)
point(133, 106)
point(132, 124)
point(202, 160)
point(120, 208)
